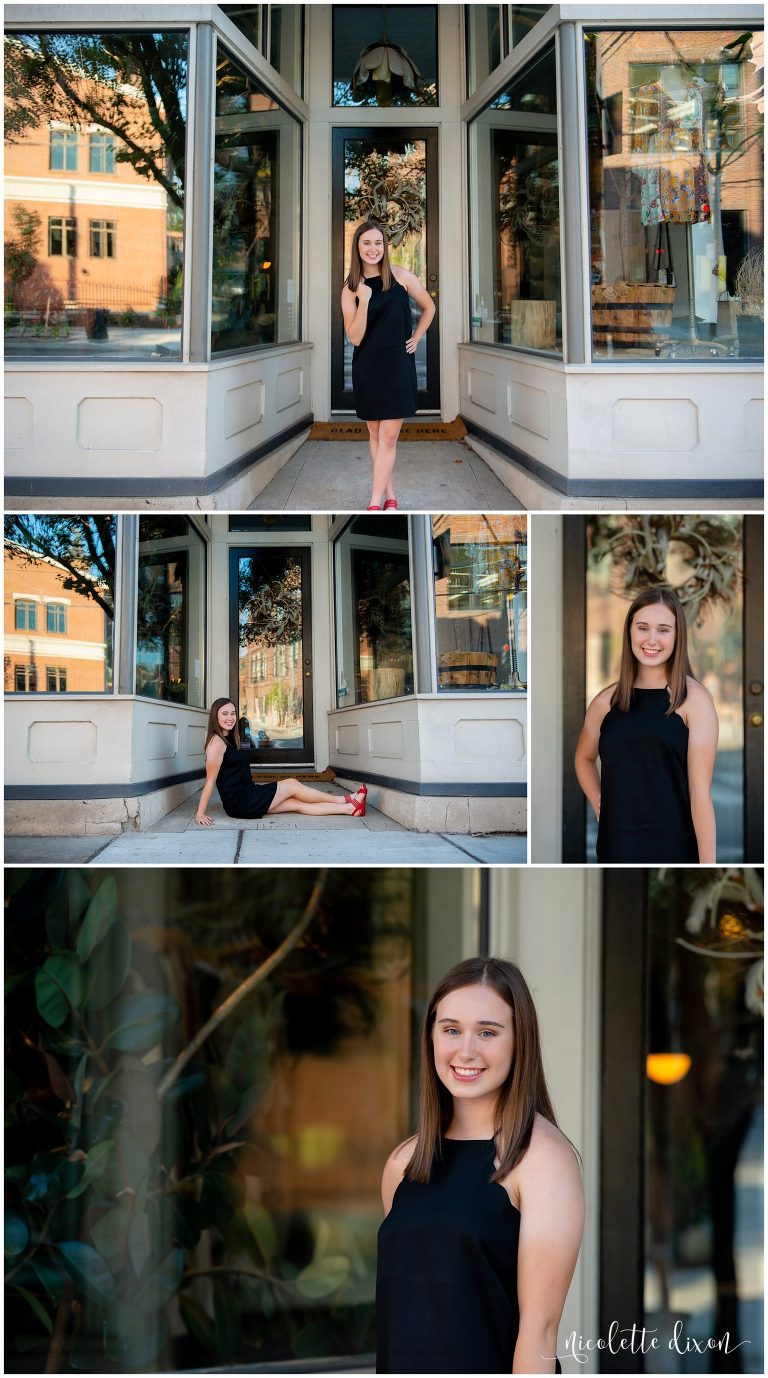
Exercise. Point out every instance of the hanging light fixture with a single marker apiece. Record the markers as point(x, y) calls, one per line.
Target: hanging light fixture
point(387, 66)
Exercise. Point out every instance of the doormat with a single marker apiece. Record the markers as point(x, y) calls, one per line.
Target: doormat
point(264, 777)
point(412, 430)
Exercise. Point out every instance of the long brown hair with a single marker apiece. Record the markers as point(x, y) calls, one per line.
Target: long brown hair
point(356, 266)
point(213, 729)
point(524, 1093)
point(677, 668)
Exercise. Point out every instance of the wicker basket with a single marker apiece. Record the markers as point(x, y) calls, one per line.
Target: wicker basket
point(631, 313)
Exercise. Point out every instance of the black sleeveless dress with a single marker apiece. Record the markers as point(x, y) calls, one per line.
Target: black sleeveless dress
point(645, 806)
point(446, 1286)
point(383, 374)
point(238, 794)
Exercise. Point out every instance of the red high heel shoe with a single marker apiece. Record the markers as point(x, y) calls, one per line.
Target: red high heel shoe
point(390, 505)
point(358, 808)
point(361, 789)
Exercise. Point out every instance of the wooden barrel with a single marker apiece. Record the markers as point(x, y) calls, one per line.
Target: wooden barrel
point(467, 669)
point(631, 313)
point(533, 324)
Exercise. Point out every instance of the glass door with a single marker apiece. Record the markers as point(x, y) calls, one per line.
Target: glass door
point(389, 176)
point(271, 653)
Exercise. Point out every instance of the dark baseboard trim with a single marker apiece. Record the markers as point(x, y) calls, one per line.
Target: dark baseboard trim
point(116, 791)
point(151, 487)
point(431, 790)
point(618, 488)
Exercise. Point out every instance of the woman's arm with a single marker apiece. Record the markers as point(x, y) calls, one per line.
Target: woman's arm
point(703, 731)
point(422, 298)
point(588, 747)
point(214, 755)
point(551, 1225)
point(354, 309)
point(394, 1168)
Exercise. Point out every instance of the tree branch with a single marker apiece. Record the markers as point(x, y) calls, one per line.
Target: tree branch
point(250, 983)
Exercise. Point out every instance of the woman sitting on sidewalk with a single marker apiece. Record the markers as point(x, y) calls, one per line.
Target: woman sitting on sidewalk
point(226, 766)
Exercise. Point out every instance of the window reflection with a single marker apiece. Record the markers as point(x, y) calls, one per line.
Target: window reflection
point(170, 617)
point(256, 178)
point(59, 603)
point(676, 205)
point(703, 560)
point(481, 602)
point(704, 1097)
point(515, 214)
point(95, 149)
point(373, 612)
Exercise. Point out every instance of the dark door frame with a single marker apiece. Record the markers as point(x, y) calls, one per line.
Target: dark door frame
point(429, 400)
point(622, 1119)
point(305, 755)
point(575, 684)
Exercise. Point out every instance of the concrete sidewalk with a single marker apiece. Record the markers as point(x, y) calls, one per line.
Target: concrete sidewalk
point(430, 476)
point(284, 840)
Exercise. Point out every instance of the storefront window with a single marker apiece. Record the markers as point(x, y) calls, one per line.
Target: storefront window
point(676, 193)
point(95, 135)
point(218, 1208)
point(515, 214)
point(256, 194)
point(481, 602)
point(385, 55)
point(702, 559)
point(170, 614)
point(373, 612)
point(59, 603)
point(704, 1120)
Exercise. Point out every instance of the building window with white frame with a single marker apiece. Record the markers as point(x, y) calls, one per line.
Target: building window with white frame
point(25, 679)
point(56, 679)
point(26, 615)
point(481, 602)
point(101, 152)
point(373, 611)
point(103, 234)
point(63, 150)
point(62, 237)
point(56, 619)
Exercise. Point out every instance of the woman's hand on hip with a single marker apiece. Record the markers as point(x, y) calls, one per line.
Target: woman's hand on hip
point(411, 345)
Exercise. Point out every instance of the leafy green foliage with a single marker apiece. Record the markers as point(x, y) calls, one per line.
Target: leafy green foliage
point(111, 1185)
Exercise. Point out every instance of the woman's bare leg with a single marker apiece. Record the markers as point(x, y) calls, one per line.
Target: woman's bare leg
point(296, 806)
point(373, 445)
point(292, 796)
point(386, 453)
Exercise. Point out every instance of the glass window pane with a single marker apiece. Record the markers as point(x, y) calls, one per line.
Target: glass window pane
point(523, 18)
point(704, 1119)
point(248, 19)
point(483, 42)
point(515, 214)
point(286, 43)
point(625, 555)
point(676, 193)
point(481, 602)
point(272, 596)
point(257, 1194)
point(243, 521)
point(63, 569)
point(126, 95)
point(170, 617)
point(373, 611)
point(401, 40)
point(256, 185)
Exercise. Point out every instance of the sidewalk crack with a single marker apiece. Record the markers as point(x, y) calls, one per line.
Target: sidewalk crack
point(240, 836)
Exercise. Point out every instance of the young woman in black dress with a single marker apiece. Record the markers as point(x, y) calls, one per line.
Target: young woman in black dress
point(226, 766)
point(655, 731)
point(484, 1207)
point(375, 303)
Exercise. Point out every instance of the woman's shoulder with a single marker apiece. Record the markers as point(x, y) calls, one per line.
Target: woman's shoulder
point(216, 748)
point(697, 692)
point(549, 1152)
point(699, 705)
point(403, 275)
point(601, 703)
point(401, 1156)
